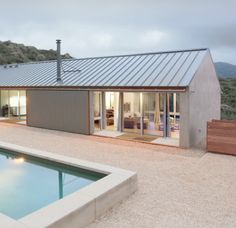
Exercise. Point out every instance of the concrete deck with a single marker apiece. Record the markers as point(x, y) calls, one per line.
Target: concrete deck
point(177, 188)
point(106, 133)
point(167, 141)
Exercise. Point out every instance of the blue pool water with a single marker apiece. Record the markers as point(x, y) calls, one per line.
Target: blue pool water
point(28, 183)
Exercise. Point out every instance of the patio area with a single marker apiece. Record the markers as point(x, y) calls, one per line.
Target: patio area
point(176, 187)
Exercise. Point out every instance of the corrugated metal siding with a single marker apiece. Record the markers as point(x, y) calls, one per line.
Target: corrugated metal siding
point(175, 69)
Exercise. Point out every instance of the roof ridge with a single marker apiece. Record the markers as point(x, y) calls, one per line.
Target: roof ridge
point(111, 56)
point(143, 53)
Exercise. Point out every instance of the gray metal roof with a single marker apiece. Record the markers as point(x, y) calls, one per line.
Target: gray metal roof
point(161, 69)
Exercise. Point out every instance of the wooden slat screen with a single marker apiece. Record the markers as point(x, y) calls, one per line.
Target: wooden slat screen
point(221, 136)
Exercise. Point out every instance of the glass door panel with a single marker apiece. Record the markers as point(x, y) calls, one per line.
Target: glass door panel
point(174, 115)
point(14, 100)
point(112, 110)
point(13, 103)
point(97, 104)
point(132, 112)
point(153, 118)
point(4, 103)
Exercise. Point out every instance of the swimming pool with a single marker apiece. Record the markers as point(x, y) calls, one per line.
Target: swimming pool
point(58, 191)
point(28, 183)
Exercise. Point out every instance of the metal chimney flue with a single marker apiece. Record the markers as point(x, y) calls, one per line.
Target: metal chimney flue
point(59, 80)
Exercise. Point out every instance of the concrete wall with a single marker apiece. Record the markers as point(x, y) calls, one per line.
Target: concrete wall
point(91, 108)
point(200, 104)
point(184, 137)
point(59, 110)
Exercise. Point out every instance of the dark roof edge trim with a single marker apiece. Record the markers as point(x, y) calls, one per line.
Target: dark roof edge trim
point(95, 88)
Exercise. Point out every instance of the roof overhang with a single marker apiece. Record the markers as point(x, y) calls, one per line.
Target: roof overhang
point(95, 88)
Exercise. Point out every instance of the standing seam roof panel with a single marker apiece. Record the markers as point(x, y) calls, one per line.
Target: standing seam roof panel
point(136, 68)
point(105, 77)
point(161, 69)
point(71, 69)
point(117, 70)
point(166, 69)
point(132, 68)
point(144, 70)
point(142, 67)
point(117, 75)
point(157, 71)
point(189, 68)
point(39, 71)
point(147, 77)
point(192, 70)
point(179, 66)
point(103, 74)
point(72, 78)
point(170, 67)
point(173, 69)
point(92, 71)
point(184, 69)
point(97, 75)
point(46, 80)
point(89, 67)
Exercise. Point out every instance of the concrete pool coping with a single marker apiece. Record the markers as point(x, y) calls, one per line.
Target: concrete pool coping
point(83, 206)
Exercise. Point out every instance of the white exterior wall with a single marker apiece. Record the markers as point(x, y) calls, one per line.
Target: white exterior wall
point(201, 103)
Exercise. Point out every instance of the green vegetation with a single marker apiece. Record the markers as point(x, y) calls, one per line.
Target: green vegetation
point(19, 53)
point(228, 98)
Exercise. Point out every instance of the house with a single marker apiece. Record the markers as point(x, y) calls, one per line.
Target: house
point(166, 94)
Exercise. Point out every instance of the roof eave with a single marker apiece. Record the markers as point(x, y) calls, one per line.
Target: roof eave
point(103, 88)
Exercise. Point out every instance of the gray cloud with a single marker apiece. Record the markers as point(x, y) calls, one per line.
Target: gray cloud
point(107, 27)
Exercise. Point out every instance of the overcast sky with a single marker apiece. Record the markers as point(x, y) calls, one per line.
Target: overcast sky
point(107, 27)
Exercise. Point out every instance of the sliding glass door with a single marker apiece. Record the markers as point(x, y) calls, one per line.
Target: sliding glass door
point(171, 115)
point(147, 113)
point(151, 113)
point(142, 113)
point(13, 103)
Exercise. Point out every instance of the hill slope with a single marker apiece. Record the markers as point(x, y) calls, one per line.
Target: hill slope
point(228, 98)
point(225, 70)
point(19, 53)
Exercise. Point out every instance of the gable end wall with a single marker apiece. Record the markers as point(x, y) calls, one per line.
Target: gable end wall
point(204, 102)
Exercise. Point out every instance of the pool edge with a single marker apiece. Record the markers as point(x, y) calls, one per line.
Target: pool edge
point(83, 206)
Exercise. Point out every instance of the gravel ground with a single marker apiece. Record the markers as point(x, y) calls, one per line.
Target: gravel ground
point(176, 188)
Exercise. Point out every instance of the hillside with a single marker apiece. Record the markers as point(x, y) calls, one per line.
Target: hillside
point(227, 74)
point(225, 70)
point(228, 98)
point(19, 53)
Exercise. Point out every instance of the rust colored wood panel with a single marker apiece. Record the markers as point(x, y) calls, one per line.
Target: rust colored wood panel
point(222, 126)
point(224, 121)
point(224, 139)
point(219, 125)
point(221, 137)
point(221, 132)
point(222, 148)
